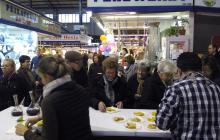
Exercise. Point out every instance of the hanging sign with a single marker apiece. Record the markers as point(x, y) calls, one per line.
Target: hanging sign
point(127, 3)
point(18, 14)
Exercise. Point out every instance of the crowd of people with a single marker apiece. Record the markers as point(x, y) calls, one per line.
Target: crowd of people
point(186, 93)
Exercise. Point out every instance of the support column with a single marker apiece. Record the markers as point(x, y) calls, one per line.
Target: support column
point(154, 43)
point(80, 12)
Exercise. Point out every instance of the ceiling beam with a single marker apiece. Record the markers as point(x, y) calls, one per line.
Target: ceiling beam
point(54, 8)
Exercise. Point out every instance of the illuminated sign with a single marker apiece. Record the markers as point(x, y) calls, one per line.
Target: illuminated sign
point(124, 3)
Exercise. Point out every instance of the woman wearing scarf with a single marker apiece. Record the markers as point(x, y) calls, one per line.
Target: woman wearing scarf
point(64, 107)
point(135, 83)
point(130, 67)
point(109, 90)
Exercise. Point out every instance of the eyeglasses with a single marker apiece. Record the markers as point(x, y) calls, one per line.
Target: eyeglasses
point(169, 74)
point(5, 66)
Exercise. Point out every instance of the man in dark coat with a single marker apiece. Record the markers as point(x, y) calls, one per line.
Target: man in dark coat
point(213, 51)
point(154, 87)
point(25, 72)
point(110, 90)
point(11, 84)
point(75, 61)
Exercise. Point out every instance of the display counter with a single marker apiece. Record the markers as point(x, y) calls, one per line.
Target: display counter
point(102, 125)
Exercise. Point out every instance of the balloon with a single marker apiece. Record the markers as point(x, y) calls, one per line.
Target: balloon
point(108, 49)
point(104, 43)
point(102, 48)
point(106, 53)
point(103, 38)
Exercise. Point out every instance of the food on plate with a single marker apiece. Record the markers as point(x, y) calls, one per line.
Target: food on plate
point(152, 119)
point(20, 119)
point(154, 114)
point(135, 119)
point(151, 126)
point(39, 123)
point(118, 119)
point(111, 109)
point(130, 125)
point(139, 113)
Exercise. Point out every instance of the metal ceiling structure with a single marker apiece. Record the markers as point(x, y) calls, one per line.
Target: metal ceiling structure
point(52, 4)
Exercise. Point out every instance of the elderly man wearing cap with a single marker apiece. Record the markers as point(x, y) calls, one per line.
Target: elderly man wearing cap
point(75, 61)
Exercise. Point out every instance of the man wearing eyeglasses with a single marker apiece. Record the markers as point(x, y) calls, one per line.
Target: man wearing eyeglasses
point(155, 86)
point(10, 84)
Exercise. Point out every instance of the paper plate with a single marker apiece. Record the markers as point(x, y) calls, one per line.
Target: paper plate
point(119, 119)
point(112, 110)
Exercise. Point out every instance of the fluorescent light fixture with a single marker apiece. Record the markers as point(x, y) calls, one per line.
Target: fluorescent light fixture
point(101, 26)
point(138, 16)
point(129, 27)
point(132, 13)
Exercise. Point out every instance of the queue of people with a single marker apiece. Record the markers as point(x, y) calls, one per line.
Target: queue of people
point(187, 104)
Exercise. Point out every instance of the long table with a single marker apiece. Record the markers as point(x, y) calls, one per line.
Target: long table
point(102, 124)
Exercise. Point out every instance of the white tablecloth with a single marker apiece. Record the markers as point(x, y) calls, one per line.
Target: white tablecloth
point(102, 124)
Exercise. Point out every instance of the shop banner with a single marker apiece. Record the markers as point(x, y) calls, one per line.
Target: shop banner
point(67, 38)
point(16, 13)
point(208, 3)
point(128, 3)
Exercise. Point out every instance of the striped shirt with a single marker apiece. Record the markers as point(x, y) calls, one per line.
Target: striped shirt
point(190, 110)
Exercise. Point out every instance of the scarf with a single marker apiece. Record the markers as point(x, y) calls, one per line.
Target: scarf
point(140, 86)
point(55, 83)
point(109, 91)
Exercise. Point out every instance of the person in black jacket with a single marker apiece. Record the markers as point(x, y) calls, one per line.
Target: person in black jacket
point(154, 87)
point(75, 61)
point(25, 72)
point(95, 69)
point(213, 51)
point(135, 83)
point(65, 105)
point(211, 70)
point(109, 90)
point(11, 84)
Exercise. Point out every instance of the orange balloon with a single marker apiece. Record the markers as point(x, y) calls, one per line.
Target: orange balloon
point(103, 38)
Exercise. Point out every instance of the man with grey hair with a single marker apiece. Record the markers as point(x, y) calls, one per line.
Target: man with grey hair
point(10, 84)
point(154, 87)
